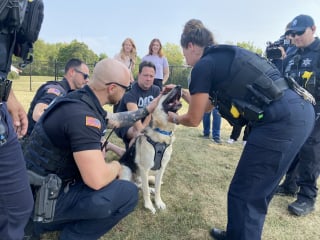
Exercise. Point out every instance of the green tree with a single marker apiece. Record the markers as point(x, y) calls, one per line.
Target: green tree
point(45, 54)
point(77, 50)
point(178, 72)
point(250, 46)
point(102, 56)
point(173, 54)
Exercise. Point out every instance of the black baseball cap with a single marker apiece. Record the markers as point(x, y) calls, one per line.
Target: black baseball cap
point(300, 23)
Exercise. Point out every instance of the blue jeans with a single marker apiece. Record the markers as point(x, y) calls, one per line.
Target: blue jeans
point(216, 123)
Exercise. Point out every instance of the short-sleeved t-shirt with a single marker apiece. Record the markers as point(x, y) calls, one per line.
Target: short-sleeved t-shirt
point(46, 94)
point(75, 125)
point(159, 62)
point(221, 65)
point(138, 96)
point(210, 70)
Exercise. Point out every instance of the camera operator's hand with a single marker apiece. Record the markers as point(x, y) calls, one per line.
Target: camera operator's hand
point(18, 114)
point(283, 52)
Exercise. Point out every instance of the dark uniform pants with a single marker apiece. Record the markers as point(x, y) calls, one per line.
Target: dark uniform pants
point(84, 214)
point(16, 201)
point(291, 179)
point(270, 149)
point(309, 166)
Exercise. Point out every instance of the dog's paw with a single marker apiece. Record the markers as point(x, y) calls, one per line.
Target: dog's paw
point(149, 205)
point(161, 205)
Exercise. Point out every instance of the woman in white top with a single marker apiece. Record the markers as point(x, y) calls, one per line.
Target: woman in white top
point(128, 55)
point(156, 56)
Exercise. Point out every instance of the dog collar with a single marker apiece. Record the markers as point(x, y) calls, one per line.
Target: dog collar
point(163, 132)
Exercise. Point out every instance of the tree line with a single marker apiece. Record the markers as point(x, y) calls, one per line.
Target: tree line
point(62, 52)
point(50, 59)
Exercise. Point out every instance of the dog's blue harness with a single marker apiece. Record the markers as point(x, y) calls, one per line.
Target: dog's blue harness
point(159, 148)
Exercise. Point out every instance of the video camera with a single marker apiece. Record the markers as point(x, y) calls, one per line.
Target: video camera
point(273, 51)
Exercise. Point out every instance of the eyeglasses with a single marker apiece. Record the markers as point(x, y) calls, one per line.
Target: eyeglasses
point(85, 76)
point(127, 88)
point(299, 33)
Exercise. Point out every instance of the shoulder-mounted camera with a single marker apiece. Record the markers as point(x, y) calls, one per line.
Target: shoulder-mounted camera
point(273, 51)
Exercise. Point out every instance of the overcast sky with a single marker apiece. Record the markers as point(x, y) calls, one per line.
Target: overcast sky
point(104, 24)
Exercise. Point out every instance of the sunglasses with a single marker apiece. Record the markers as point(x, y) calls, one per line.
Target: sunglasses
point(299, 33)
point(85, 76)
point(127, 88)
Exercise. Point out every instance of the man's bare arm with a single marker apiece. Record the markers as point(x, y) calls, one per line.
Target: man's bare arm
point(38, 111)
point(125, 119)
point(95, 171)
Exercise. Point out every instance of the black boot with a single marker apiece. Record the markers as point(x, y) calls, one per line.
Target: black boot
point(301, 207)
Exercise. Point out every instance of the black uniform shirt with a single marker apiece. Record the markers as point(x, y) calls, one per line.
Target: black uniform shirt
point(51, 90)
point(75, 125)
point(46, 94)
point(211, 70)
point(303, 59)
point(304, 66)
point(223, 66)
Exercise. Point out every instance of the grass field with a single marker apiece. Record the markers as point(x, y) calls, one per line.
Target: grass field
point(195, 191)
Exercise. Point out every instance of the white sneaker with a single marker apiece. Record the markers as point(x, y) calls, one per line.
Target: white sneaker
point(230, 141)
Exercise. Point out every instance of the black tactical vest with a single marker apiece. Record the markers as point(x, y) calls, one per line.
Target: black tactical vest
point(40, 153)
point(250, 84)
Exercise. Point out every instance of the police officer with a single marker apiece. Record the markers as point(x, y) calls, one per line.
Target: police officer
point(245, 86)
point(303, 64)
point(66, 142)
point(16, 200)
point(76, 75)
point(278, 50)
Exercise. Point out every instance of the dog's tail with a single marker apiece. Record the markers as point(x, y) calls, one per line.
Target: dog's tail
point(128, 157)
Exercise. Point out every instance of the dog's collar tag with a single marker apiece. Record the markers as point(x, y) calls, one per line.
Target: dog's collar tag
point(163, 132)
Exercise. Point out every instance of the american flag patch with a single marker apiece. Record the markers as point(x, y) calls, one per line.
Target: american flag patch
point(93, 122)
point(54, 91)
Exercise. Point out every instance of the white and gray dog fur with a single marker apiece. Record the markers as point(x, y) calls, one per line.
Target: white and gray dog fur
point(152, 150)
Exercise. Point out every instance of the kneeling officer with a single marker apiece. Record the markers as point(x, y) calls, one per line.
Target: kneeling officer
point(66, 141)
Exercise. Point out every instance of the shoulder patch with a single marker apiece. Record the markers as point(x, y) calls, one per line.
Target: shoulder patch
point(93, 122)
point(54, 91)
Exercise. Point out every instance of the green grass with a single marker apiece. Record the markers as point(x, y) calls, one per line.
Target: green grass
point(195, 191)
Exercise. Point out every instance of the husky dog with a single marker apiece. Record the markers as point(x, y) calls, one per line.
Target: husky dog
point(151, 152)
